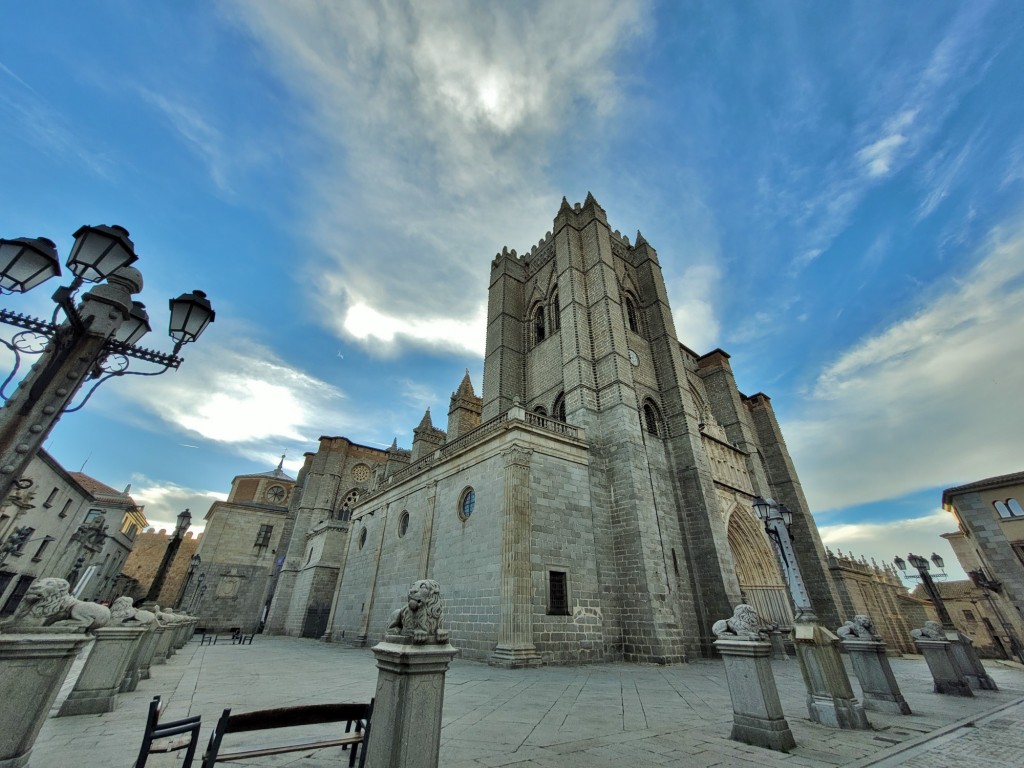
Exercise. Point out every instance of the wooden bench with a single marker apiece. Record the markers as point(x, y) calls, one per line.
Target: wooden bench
point(355, 716)
point(169, 736)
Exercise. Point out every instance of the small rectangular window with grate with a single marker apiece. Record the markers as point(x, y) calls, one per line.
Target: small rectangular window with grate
point(558, 593)
point(263, 537)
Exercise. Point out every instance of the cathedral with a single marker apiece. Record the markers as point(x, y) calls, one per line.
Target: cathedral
point(593, 503)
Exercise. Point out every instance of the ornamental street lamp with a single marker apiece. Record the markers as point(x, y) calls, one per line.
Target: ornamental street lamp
point(921, 565)
point(193, 564)
point(96, 340)
point(184, 521)
point(777, 520)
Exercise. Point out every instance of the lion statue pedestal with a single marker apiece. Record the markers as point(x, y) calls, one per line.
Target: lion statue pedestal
point(33, 665)
point(757, 717)
point(871, 666)
point(411, 665)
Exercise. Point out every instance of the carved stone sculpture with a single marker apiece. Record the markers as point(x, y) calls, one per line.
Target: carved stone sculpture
point(744, 624)
point(123, 611)
point(861, 628)
point(48, 602)
point(931, 630)
point(166, 617)
point(420, 619)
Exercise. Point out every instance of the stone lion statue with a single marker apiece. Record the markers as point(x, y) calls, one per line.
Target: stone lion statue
point(420, 618)
point(861, 628)
point(123, 611)
point(744, 624)
point(931, 630)
point(49, 603)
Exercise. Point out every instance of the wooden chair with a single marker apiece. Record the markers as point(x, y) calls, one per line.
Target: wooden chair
point(355, 716)
point(169, 736)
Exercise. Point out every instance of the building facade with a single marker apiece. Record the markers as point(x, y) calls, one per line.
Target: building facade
point(68, 525)
point(230, 583)
point(593, 504)
point(140, 569)
point(989, 543)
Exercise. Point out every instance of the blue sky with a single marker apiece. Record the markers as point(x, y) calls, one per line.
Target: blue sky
point(836, 193)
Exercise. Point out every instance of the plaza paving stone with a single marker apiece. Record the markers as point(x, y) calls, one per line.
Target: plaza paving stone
point(587, 716)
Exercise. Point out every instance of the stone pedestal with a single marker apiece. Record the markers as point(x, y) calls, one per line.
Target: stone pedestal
point(946, 674)
point(966, 657)
point(100, 681)
point(147, 651)
point(778, 641)
point(757, 717)
point(873, 671)
point(32, 670)
point(406, 727)
point(830, 699)
point(140, 659)
point(163, 644)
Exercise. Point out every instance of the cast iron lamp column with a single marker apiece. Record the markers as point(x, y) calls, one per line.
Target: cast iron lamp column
point(921, 564)
point(193, 565)
point(95, 340)
point(777, 519)
point(184, 521)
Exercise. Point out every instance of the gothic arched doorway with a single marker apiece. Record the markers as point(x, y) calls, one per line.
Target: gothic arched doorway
point(761, 583)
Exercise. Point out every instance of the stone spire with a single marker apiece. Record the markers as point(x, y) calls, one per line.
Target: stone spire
point(426, 438)
point(465, 409)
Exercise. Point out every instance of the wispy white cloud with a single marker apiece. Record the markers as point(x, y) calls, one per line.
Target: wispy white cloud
point(163, 501)
point(692, 297)
point(903, 409)
point(879, 157)
point(246, 398)
point(38, 123)
point(439, 119)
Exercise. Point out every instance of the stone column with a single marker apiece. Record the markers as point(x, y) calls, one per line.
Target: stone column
point(757, 717)
point(163, 642)
point(100, 681)
point(946, 674)
point(515, 646)
point(147, 650)
point(872, 668)
point(143, 653)
point(966, 657)
point(830, 699)
point(32, 670)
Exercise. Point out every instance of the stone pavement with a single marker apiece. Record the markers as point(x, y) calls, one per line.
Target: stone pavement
point(590, 716)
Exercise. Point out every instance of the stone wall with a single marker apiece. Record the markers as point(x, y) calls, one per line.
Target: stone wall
point(145, 558)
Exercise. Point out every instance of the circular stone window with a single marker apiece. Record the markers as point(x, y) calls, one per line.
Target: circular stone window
point(467, 502)
point(403, 523)
point(360, 473)
point(362, 538)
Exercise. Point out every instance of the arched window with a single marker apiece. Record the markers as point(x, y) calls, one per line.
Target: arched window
point(467, 503)
point(1015, 509)
point(1001, 508)
point(538, 324)
point(403, 523)
point(556, 313)
point(558, 409)
point(540, 410)
point(631, 316)
point(652, 419)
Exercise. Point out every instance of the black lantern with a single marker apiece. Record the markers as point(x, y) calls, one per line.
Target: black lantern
point(762, 507)
point(184, 521)
point(25, 262)
point(900, 563)
point(99, 252)
point(918, 562)
point(190, 314)
point(136, 326)
point(939, 562)
point(787, 515)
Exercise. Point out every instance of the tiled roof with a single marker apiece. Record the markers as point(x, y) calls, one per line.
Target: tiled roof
point(978, 485)
point(101, 491)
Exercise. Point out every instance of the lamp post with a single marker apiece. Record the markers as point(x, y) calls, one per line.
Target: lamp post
point(96, 340)
point(184, 521)
point(193, 564)
point(777, 519)
point(921, 565)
